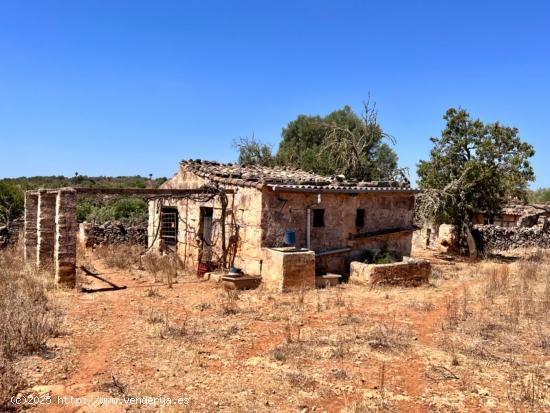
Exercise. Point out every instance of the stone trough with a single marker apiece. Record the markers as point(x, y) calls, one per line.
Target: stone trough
point(410, 271)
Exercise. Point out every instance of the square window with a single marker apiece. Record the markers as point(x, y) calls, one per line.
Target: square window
point(360, 218)
point(318, 217)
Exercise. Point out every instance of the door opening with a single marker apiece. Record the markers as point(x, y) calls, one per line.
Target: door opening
point(205, 234)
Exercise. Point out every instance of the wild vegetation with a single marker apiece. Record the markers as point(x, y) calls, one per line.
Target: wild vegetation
point(28, 318)
point(341, 142)
point(129, 210)
point(539, 196)
point(473, 167)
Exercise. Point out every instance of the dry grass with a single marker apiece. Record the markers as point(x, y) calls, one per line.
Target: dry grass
point(389, 337)
point(164, 268)
point(343, 348)
point(121, 256)
point(27, 316)
point(505, 323)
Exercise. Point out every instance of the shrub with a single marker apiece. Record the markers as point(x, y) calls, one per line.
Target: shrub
point(10, 383)
point(27, 318)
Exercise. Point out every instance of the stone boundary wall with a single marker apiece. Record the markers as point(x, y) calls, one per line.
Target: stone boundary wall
point(492, 237)
point(112, 233)
point(410, 271)
point(10, 234)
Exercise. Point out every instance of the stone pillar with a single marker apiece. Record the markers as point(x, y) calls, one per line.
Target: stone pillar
point(46, 229)
point(65, 238)
point(31, 235)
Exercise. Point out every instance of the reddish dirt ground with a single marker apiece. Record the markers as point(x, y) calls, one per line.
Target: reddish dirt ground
point(262, 352)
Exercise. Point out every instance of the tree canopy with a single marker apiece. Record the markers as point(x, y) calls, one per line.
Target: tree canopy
point(340, 143)
point(472, 167)
point(11, 202)
point(253, 152)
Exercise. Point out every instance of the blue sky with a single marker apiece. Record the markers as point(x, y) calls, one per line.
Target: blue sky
point(131, 87)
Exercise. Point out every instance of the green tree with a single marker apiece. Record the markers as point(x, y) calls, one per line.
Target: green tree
point(340, 143)
point(472, 167)
point(540, 196)
point(300, 143)
point(253, 152)
point(354, 146)
point(11, 202)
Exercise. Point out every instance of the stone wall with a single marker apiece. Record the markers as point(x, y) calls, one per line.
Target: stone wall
point(288, 211)
point(50, 233)
point(242, 224)
point(442, 238)
point(111, 233)
point(10, 234)
point(408, 272)
point(492, 237)
point(257, 219)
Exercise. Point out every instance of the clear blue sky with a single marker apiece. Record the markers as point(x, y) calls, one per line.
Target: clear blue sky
point(131, 87)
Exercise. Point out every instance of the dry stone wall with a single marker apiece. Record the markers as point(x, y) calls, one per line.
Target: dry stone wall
point(9, 234)
point(492, 237)
point(111, 233)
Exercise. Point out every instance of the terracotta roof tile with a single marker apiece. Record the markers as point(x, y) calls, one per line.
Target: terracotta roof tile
point(282, 177)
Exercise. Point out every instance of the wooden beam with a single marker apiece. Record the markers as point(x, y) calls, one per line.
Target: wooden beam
point(144, 191)
point(382, 232)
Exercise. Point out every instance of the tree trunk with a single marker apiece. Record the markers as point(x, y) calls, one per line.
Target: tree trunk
point(472, 249)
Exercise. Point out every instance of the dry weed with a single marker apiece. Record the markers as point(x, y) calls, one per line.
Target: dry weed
point(121, 256)
point(384, 337)
point(27, 317)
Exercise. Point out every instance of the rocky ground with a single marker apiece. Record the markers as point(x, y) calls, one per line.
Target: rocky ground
point(441, 347)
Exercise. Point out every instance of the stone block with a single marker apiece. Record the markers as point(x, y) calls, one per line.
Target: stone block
point(31, 234)
point(288, 269)
point(407, 272)
point(65, 238)
point(46, 229)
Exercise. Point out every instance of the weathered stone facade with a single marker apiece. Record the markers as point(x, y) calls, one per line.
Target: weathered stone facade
point(31, 240)
point(441, 238)
point(408, 272)
point(50, 232)
point(65, 237)
point(45, 229)
point(263, 205)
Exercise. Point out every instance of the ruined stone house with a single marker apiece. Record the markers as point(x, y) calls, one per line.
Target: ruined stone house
point(335, 218)
point(514, 215)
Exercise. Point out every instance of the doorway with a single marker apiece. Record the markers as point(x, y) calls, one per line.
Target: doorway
point(205, 234)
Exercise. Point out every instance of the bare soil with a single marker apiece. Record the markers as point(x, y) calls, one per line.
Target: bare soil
point(348, 348)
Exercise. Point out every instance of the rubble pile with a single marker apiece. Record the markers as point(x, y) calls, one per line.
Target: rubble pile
point(493, 237)
point(115, 232)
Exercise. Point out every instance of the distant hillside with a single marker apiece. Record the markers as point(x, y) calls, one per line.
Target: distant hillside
point(89, 208)
point(540, 196)
point(35, 182)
